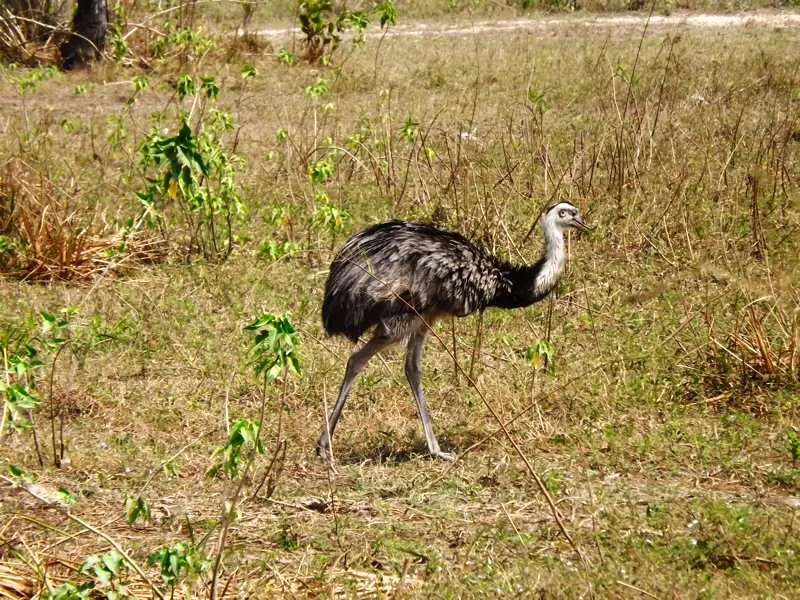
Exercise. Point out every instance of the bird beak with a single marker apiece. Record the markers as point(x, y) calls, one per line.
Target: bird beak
point(577, 221)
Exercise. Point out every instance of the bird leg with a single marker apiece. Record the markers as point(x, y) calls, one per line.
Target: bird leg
point(357, 361)
point(413, 374)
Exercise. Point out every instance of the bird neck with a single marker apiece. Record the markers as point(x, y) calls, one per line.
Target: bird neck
point(523, 285)
point(551, 265)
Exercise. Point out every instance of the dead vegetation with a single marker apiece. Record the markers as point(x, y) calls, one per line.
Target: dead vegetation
point(46, 238)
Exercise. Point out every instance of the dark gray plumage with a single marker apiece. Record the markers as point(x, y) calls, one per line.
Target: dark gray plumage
point(390, 274)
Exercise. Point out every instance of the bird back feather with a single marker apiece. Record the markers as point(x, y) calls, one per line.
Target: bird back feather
point(400, 268)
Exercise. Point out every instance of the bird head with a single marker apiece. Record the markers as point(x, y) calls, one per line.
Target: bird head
point(564, 215)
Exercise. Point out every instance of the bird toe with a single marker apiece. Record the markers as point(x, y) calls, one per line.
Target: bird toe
point(448, 456)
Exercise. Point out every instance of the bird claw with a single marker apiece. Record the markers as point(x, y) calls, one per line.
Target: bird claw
point(448, 456)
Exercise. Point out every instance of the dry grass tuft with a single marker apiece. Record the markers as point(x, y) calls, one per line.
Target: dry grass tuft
point(44, 239)
point(16, 581)
point(28, 34)
point(758, 354)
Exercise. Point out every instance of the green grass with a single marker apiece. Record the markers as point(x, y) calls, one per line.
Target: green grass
point(662, 432)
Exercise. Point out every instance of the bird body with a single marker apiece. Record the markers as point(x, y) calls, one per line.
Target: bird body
point(400, 277)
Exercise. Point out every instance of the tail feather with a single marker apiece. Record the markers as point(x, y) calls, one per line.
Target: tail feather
point(363, 284)
point(356, 300)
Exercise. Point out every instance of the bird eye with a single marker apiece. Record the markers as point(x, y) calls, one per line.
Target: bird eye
point(562, 213)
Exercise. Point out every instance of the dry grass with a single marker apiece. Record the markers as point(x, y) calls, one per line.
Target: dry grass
point(49, 240)
point(661, 434)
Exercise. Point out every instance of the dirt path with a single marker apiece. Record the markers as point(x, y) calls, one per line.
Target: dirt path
point(785, 19)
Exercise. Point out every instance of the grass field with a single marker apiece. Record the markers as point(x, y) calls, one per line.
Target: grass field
point(665, 426)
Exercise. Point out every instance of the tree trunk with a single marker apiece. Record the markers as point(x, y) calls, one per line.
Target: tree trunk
point(88, 37)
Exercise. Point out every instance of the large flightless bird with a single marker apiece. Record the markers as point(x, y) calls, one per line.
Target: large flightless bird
point(400, 277)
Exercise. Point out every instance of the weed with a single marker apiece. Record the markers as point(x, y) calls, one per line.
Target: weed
point(323, 22)
point(196, 174)
point(329, 218)
point(273, 354)
point(541, 353)
point(109, 570)
point(116, 33)
point(179, 562)
point(793, 445)
point(70, 591)
point(789, 478)
point(186, 43)
point(244, 435)
point(136, 508)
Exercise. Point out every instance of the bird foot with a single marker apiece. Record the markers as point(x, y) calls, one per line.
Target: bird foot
point(448, 456)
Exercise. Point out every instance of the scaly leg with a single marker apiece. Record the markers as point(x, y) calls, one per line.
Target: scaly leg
point(413, 374)
point(357, 361)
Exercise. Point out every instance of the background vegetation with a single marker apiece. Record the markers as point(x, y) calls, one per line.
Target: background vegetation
point(166, 221)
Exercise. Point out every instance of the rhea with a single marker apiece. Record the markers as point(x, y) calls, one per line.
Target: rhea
point(397, 278)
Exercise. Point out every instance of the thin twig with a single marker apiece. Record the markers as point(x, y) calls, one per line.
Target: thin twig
point(636, 589)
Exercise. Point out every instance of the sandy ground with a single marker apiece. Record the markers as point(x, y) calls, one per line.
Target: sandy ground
point(786, 19)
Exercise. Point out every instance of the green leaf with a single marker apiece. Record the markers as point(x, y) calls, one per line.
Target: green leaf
point(541, 352)
point(135, 508)
point(113, 561)
point(185, 86)
point(210, 87)
point(20, 397)
point(18, 473)
point(65, 496)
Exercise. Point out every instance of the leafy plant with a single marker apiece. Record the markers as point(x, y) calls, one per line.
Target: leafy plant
point(273, 353)
point(244, 435)
point(29, 81)
point(185, 85)
point(318, 89)
point(21, 372)
point(23, 362)
point(320, 171)
point(109, 571)
point(185, 43)
point(408, 130)
point(248, 71)
point(793, 445)
point(196, 178)
point(323, 23)
point(181, 560)
point(538, 106)
point(273, 249)
point(541, 354)
point(71, 591)
point(287, 57)
point(116, 28)
point(136, 508)
point(274, 348)
point(329, 217)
